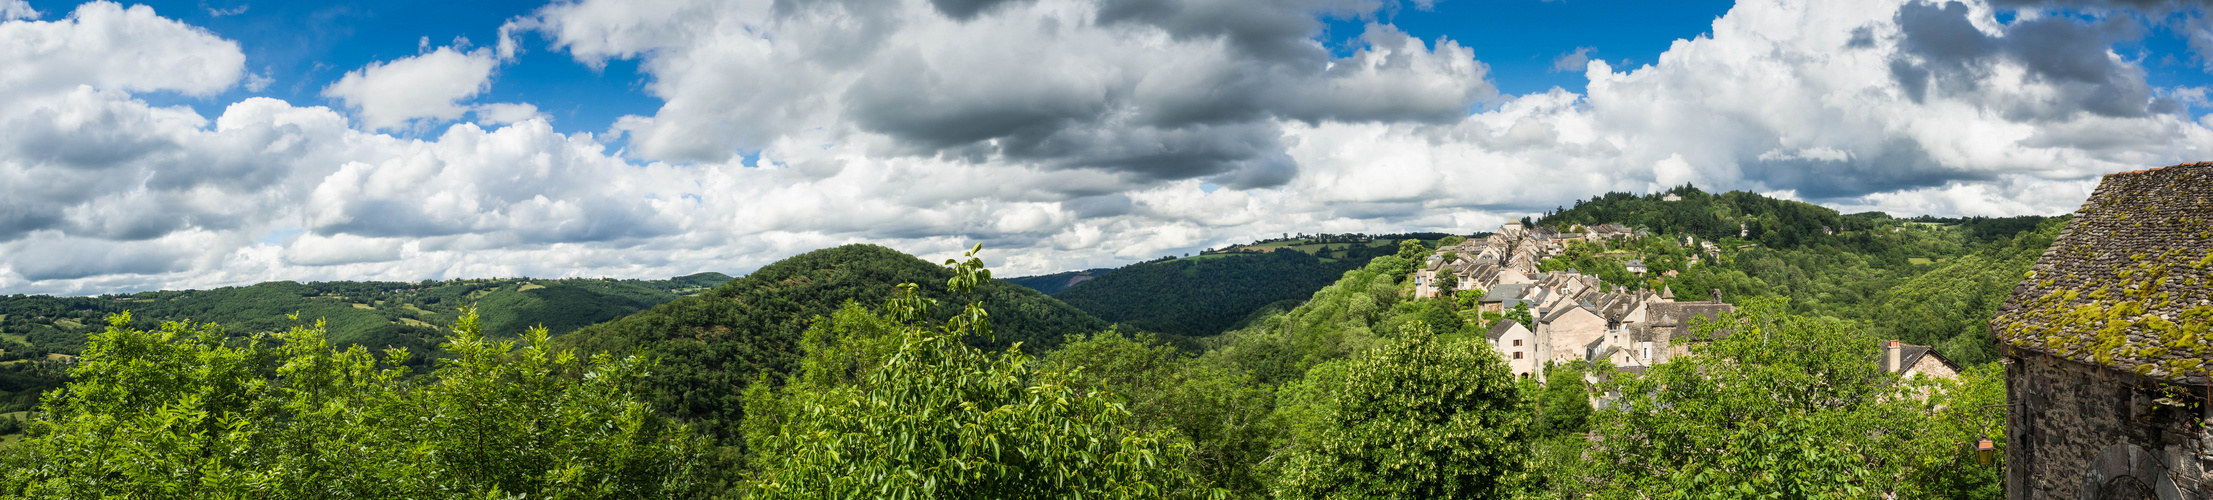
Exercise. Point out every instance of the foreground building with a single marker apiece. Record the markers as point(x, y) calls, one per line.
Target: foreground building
point(2107, 347)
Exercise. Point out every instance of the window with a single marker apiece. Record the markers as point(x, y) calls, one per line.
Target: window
point(1517, 342)
point(1517, 354)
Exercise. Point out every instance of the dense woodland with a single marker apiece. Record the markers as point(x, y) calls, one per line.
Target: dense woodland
point(858, 371)
point(713, 344)
point(377, 315)
point(1196, 296)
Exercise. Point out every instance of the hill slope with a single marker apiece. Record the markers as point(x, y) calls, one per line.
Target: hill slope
point(714, 344)
point(1198, 297)
point(1056, 282)
point(372, 314)
point(1207, 294)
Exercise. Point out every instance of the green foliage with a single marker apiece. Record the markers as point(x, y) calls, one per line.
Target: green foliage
point(713, 344)
point(1521, 314)
point(186, 412)
point(1412, 250)
point(1940, 462)
point(1418, 419)
point(897, 406)
point(1225, 414)
point(1780, 404)
point(1054, 283)
point(1202, 297)
point(1564, 408)
point(1950, 306)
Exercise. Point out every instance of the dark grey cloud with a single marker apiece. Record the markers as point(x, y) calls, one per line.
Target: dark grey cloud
point(1032, 86)
point(1897, 163)
point(1092, 207)
point(1942, 51)
point(968, 9)
point(77, 258)
point(1273, 30)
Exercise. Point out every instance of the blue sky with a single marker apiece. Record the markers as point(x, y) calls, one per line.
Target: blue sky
point(198, 144)
point(305, 46)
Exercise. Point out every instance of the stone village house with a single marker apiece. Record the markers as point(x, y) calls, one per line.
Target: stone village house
point(2106, 343)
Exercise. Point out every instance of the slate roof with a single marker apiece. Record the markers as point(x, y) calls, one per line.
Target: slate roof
point(1504, 293)
point(2127, 285)
point(1679, 314)
point(1500, 329)
point(1909, 355)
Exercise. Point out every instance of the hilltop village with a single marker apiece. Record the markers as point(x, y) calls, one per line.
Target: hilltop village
point(1563, 316)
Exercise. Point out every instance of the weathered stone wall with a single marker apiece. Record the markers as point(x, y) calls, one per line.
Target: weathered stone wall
point(2078, 431)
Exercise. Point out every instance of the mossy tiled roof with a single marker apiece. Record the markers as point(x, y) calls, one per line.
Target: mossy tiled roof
point(2129, 283)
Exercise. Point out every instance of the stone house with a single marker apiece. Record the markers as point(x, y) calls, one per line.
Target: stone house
point(1499, 299)
point(1570, 333)
point(1908, 361)
point(1635, 266)
point(2106, 350)
point(1671, 322)
point(1518, 345)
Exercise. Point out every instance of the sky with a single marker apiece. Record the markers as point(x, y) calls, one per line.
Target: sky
point(209, 143)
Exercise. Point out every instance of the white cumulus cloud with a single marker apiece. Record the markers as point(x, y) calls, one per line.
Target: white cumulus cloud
point(391, 94)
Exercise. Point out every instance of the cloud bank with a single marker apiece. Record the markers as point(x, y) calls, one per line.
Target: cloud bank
point(1060, 133)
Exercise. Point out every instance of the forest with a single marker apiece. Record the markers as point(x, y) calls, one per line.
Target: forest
point(377, 315)
point(1219, 289)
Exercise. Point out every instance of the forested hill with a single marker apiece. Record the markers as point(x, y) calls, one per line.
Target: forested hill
point(369, 313)
point(1054, 283)
point(1775, 223)
point(1203, 295)
point(714, 344)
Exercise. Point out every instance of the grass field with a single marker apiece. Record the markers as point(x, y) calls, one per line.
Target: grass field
point(11, 439)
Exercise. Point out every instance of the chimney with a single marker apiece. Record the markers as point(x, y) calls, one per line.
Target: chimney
point(1717, 295)
point(1893, 356)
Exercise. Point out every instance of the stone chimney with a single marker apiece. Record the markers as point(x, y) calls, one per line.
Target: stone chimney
point(1893, 353)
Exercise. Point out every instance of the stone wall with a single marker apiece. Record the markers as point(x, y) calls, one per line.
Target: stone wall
point(2079, 431)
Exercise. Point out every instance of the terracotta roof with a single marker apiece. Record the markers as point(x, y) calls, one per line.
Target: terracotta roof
point(2129, 283)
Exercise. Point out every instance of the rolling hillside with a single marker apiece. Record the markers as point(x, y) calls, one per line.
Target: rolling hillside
point(372, 314)
point(713, 345)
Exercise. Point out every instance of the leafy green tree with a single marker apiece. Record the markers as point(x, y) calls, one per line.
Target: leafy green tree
point(1521, 314)
point(1447, 281)
point(1223, 411)
point(185, 412)
point(1564, 408)
point(1779, 404)
point(1418, 419)
point(897, 406)
point(1411, 249)
point(1955, 413)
